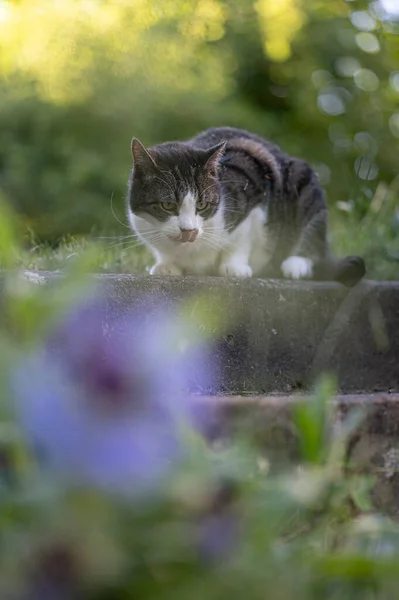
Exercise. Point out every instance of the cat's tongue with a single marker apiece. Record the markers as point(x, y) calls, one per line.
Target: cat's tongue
point(189, 235)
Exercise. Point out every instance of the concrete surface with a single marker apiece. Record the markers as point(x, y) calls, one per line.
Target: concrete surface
point(281, 334)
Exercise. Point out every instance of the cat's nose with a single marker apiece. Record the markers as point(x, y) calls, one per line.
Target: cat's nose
point(188, 235)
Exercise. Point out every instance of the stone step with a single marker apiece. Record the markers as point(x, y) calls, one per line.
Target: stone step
point(280, 335)
point(278, 338)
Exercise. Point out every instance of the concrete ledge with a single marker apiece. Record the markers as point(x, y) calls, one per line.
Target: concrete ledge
point(280, 337)
point(282, 334)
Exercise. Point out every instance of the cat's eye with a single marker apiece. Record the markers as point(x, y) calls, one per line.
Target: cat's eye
point(202, 205)
point(168, 206)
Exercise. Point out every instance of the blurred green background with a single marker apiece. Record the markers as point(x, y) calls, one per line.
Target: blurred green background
point(80, 78)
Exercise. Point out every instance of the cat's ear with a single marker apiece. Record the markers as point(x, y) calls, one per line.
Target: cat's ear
point(212, 156)
point(142, 159)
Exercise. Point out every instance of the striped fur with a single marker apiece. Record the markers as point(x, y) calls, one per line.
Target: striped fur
point(265, 216)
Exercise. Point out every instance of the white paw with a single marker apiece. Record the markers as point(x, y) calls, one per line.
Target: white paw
point(297, 267)
point(165, 269)
point(235, 270)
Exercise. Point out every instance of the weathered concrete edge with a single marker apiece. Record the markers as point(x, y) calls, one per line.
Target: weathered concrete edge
point(199, 282)
point(278, 400)
point(281, 335)
point(40, 276)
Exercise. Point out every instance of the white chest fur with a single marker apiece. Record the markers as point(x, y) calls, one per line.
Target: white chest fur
point(249, 240)
point(241, 252)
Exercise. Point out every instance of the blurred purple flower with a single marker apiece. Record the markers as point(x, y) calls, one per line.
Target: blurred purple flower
point(218, 527)
point(104, 401)
point(217, 537)
point(54, 574)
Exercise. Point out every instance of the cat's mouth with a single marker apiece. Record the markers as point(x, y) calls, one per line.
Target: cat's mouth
point(188, 235)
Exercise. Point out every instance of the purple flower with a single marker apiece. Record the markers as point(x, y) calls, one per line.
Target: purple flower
point(104, 401)
point(54, 574)
point(219, 525)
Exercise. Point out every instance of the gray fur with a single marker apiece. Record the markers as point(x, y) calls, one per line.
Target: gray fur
point(243, 171)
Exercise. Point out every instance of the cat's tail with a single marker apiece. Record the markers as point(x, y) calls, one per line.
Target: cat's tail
point(347, 271)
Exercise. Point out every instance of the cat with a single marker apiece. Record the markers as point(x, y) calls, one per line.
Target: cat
point(230, 203)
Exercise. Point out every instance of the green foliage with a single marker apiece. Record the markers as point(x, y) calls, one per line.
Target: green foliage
point(223, 524)
point(311, 421)
point(79, 79)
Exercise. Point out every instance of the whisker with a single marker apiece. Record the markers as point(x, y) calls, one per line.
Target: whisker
point(235, 212)
point(153, 235)
point(119, 245)
point(213, 242)
point(111, 237)
point(113, 212)
point(168, 174)
point(166, 183)
point(213, 245)
point(148, 236)
point(228, 208)
point(213, 234)
point(140, 243)
point(220, 249)
point(117, 239)
point(123, 241)
point(222, 229)
point(216, 183)
point(133, 246)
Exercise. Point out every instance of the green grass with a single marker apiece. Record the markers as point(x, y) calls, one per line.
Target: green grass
point(375, 237)
point(112, 256)
point(382, 263)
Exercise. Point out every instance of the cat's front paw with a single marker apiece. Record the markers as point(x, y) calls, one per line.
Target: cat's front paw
point(297, 267)
point(233, 269)
point(165, 269)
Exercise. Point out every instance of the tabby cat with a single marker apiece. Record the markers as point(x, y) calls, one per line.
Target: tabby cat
point(230, 203)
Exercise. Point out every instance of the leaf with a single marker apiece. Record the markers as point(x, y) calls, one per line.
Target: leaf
point(310, 418)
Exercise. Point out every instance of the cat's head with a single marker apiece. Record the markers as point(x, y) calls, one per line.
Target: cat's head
point(174, 188)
